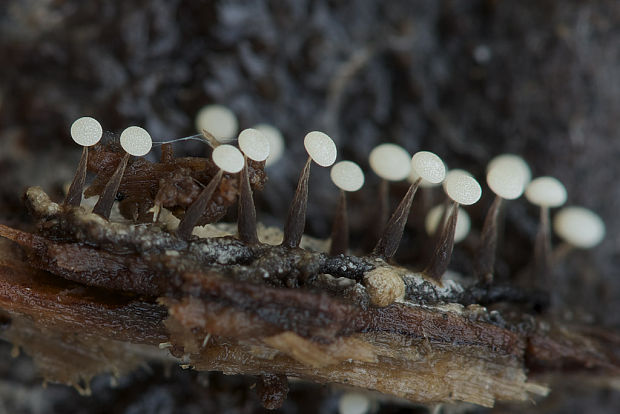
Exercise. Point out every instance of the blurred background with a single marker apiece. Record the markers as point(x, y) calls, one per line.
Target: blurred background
point(467, 79)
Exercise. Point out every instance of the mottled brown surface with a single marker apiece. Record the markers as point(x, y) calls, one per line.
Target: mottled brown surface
point(467, 79)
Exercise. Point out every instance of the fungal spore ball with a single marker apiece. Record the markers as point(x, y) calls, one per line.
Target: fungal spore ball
point(347, 176)
point(514, 163)
point(463, 188)
point(429, 166)
point(276, 142)
point(321, 148)
point(546, 192)
point(219, 121)
point(579, 227)
point(390, 162)
point(228, 158)
point(136, 141)
point(463, 222)
point(353, 403)
point(506, 177)
point(86, 131)
point(254, 144)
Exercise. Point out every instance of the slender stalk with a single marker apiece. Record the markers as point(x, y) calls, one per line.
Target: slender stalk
point(246, 220)
point(74, 195)
point(390, 239)
point(485, 261)
point(340, 228)
point(195, 211)
point(296, 218)
point(443, 252)
point(107, 197)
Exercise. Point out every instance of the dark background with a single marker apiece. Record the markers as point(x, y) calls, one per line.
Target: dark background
point(465, 79)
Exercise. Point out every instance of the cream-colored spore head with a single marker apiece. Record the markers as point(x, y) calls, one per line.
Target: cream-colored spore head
point(219, 121)
point(86, 131)
point(507, 177)
point(228, 158)
point(276, 142)
point(514, 163)
point(429, 166)
point(136, 141)
point(546, 192)
point(353, 403)
point(413, 177)
point(254, 144)
point(579, 227)
point(463, 222)
point(347, 176)
point(390, 162)
point(462, 188)
point(321, 148)
point(454, 171)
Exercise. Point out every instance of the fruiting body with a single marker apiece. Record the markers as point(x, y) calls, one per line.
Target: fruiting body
point(228, 158)
point(390, 162)
point(347, 176)
point(219, 121)
point(86, 131)
point(320, 148)
point(463, 222)
point(513, 163)
point(462, 188)
point(579, 227)
point(136, 141)
point(276, 142)
point(353, 403)
point(546, 192)
point(429, 167)
point(254, 144)
point(507, 177)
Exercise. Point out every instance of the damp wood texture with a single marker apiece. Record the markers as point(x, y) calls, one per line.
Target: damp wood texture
point(114, 294)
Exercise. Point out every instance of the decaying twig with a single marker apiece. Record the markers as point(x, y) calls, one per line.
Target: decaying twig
point(110, 292)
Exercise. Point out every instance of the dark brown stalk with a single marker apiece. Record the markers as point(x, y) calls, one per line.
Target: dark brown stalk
point(443, 253)
point(485, 261)
point(195, 211)
point(542, 248)
point(390, 239)
point(74, 195)
point(340, 228)
point(246, 220)
point(384, 206)
point(296, 218)
point(106, 200)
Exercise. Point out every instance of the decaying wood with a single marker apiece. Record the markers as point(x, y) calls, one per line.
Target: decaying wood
point(114, 295)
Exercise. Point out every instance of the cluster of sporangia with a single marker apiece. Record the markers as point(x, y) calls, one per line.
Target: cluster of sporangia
point(508, 176)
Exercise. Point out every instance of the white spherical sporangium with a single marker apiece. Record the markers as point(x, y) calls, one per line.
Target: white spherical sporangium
point(321, 148)
point(505, 179)
point(515, 163)
point(86, 131)
point(136, 141)
point(546, 192)
point(228, 158)
point(276, 143)
point(390, 162)
point(219, 121)
point(254, 144)
point(429, 166)
point(463, 188)
point(347, 176)
point(579, 226)
point(463, 222)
